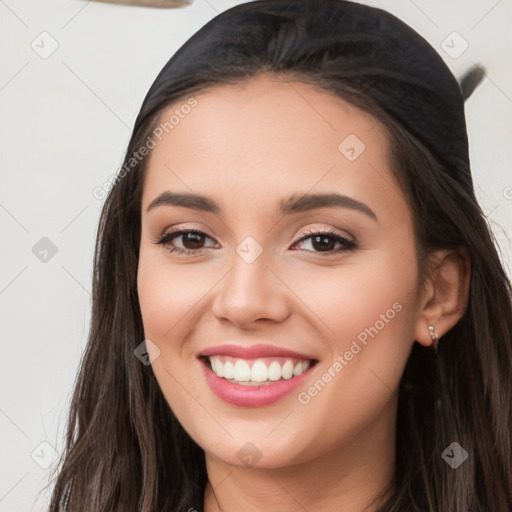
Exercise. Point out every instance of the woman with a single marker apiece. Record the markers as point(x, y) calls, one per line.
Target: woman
point(297, 301)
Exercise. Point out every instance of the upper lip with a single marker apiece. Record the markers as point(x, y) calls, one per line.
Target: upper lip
point(251, 352)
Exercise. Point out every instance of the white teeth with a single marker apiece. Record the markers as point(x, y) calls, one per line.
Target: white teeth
point(219, 369)
point(259, 372)
point(241, 372)
point(274, 371)
point(287, 370)
point(229, 370)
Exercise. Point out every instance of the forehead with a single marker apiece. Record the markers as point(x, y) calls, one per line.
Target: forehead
point(247, 141)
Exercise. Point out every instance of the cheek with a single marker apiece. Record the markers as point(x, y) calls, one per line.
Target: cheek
point(370, 313)
point(368, 298)
point(370, 310)
point(166, 294)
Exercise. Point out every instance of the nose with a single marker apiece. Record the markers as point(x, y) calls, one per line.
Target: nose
point(250, 293)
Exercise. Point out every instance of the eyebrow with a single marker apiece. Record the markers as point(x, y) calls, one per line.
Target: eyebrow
point(291, 205)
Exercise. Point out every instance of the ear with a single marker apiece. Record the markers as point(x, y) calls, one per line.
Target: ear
point(445, 294)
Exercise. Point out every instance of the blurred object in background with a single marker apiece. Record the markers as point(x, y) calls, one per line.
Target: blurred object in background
point(166, 4)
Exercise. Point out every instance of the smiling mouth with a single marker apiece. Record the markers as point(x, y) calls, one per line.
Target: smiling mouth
point(257, 372)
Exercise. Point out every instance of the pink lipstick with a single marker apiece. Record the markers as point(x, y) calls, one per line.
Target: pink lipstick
point(254, 376)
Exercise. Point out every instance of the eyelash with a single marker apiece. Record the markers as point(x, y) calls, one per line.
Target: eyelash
point(349, 245)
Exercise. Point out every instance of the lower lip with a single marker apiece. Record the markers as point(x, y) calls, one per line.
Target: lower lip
point(252, 396)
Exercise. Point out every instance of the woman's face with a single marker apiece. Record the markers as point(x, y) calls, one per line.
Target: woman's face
point(329, 322)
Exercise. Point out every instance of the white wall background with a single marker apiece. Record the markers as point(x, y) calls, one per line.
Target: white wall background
point(66, 120)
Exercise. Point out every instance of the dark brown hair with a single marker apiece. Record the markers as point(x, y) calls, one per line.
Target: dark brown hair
point(125, 449)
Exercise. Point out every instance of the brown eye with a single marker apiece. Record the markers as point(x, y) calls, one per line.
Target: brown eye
point(325, 241)
point(192, 240)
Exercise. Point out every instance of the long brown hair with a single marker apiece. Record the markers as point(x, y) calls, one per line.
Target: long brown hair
point(125, 449)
